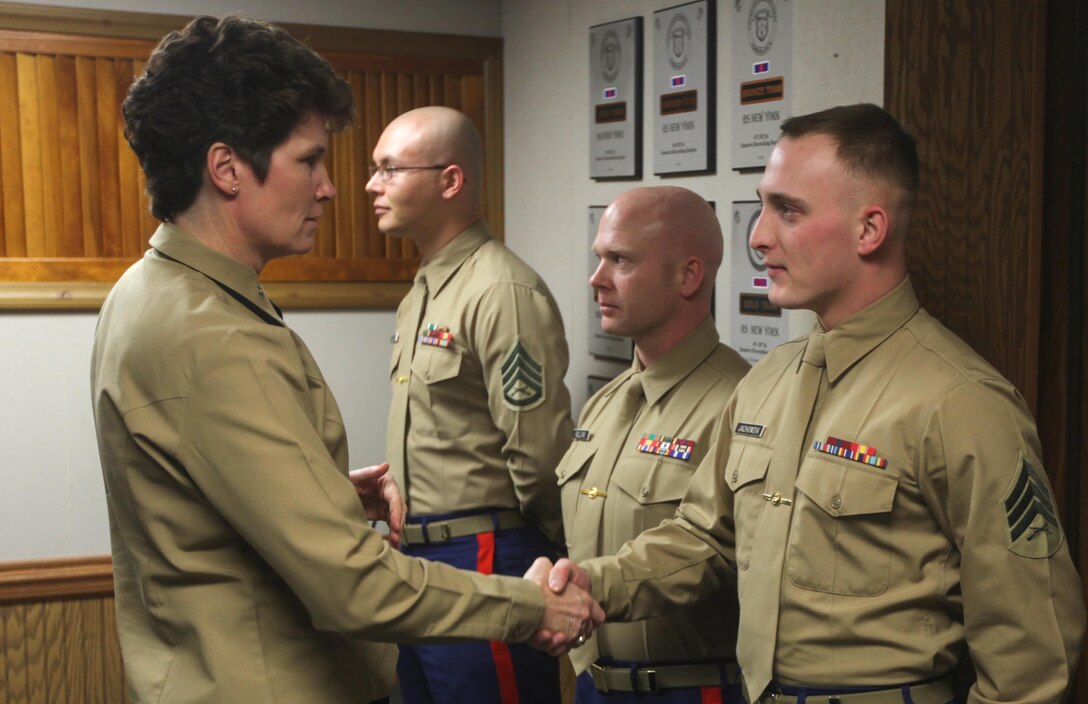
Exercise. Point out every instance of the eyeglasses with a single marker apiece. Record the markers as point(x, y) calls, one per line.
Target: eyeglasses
point(386, 172)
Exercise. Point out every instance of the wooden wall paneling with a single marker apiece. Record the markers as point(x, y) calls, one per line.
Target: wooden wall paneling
point(31, 166)
point(452, 90)
point(60, 652)
point(128, 169)
point(56, 675)
point(52, 181)
point(404, 102)
point(87, 122)
point(75, 632)
point(371, 117)
point(11, 197)
point(37, 686)
point(345, 151)
point(997, 94)
point(106, 100)
point(58, 637)
point(71, 183)
point(13, 653)
point(1063, 368)
point(965, 78)
point(116, 690)
point(360, 199)
point(85, 211)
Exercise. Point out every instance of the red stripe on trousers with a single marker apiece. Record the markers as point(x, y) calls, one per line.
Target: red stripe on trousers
point(711, 695)
point(504, 664)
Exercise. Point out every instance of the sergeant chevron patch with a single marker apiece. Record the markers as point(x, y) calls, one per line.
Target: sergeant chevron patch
point(1032, 526)
point(522, 379)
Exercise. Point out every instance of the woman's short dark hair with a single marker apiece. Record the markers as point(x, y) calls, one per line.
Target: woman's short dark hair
point(234, 80)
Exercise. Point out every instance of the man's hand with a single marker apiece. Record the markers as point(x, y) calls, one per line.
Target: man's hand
point(570, 614)
point(381, 498)
point(566, 571)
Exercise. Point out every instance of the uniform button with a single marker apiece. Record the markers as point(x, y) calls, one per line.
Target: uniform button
point(427, 374)
point(734, 476)
point(644, 491)
point(836, 503)
point(260, 290)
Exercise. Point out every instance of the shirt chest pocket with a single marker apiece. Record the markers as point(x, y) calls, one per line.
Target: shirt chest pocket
point(646, 491)
point(438, 407)
point(841, 537)
point(571, 475)
point(745, 474)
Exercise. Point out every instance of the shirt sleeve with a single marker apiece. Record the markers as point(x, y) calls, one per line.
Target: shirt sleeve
point(983, 478)
point(250, 443)
point(682, 561)
point(523, 353)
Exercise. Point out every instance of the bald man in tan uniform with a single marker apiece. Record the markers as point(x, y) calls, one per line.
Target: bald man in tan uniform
point(640, 438)
point(878, 487)
point(480, 414)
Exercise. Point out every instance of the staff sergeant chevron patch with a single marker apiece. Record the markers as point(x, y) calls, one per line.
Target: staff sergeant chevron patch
point(522, 379)
point(1032, 523)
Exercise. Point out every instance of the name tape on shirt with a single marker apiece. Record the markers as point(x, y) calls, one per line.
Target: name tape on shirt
point(751, 430)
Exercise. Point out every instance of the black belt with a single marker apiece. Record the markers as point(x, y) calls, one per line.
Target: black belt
point(443, 531)
point(656, 679)
point(939, 692)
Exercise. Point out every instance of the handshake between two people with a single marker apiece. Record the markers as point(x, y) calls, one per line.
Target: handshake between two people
point(570, 613)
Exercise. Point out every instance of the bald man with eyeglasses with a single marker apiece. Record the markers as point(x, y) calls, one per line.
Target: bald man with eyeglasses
point(480, 415)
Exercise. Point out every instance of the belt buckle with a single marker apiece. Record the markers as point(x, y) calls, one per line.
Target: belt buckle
point(596, 672)
point(651, 681)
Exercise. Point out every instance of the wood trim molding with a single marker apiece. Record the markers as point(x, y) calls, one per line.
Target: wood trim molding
point(289, 296)
point(37, 580)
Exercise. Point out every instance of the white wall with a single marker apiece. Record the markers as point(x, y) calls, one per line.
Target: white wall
point(838, 58)
point(52, 503)
point(51, 498)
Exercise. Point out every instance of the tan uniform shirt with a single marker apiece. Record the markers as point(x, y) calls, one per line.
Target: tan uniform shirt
point(488, 412)
point(244, 567)
point(685, 392)
point(889, 567)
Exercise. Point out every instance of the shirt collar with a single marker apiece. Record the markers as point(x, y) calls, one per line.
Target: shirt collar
point(445, 263)
point(861, 333)
point(675, 365)
point(236, 278)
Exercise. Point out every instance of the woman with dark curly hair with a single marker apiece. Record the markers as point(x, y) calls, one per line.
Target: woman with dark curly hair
point(244, 566)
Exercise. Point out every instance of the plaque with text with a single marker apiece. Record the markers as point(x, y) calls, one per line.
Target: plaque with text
point(684, 82)
point(601, 344)
point(757, 325)
point(615, 99)
point(762, 77)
